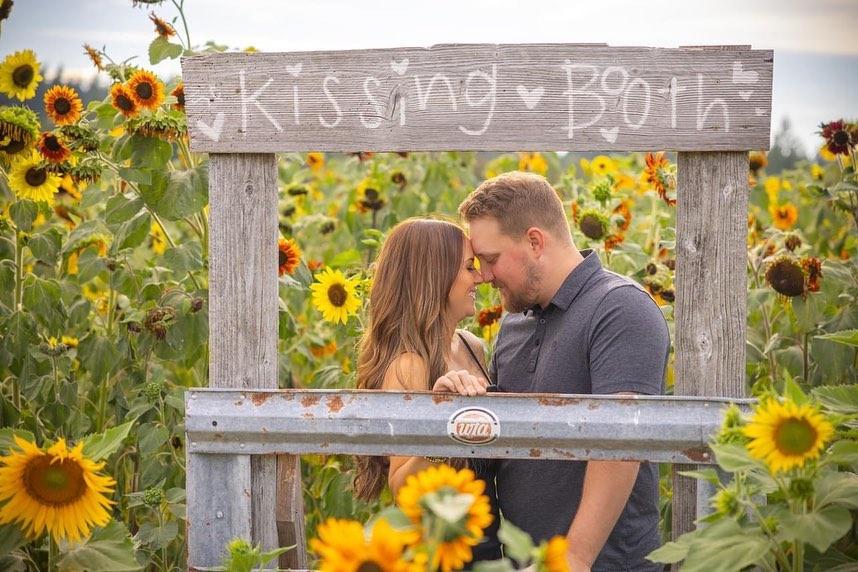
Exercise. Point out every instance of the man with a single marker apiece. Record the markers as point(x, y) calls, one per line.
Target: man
point(571, 327)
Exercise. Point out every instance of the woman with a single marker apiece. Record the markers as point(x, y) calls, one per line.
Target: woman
point(424, 285)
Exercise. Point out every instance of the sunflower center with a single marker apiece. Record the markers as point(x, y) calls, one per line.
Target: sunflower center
point(143, 90)
point(62, 105)
point(36, 176)
point(795, 436)
point(337, 295)
point(57, 484)
point(23, 75)
point(124, 103)
point(592, 227)
point(369, 566)
point(53, 144)
point(841, 137)
point(13, 146)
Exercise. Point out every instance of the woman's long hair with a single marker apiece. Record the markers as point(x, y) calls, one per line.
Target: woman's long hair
point(414, 273)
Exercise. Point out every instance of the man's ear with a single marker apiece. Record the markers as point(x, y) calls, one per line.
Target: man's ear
point(535, 237)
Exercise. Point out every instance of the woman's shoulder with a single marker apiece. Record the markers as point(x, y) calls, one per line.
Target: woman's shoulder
point(406, 371)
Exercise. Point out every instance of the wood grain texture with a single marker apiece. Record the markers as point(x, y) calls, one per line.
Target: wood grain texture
point(290, 512)
point(243, 299)
point(711, 290)
point(481, 97)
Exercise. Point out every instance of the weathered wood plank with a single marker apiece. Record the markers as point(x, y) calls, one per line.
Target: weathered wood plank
point(243, 299)
point(481, 97)
point(290, 511)
point(218, 489)
point(711, 290)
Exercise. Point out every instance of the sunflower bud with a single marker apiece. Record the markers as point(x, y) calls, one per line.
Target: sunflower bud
point(153, 496)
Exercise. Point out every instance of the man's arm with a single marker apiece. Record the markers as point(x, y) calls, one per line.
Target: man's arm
point(607, 486)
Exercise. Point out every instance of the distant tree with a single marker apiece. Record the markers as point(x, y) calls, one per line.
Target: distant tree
point(786, 150)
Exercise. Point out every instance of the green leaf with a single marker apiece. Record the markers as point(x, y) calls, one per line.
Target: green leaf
point(503, 565)
point(709, 475)
point(846, 337)
point(724, 547)
point(843, 453)
point(792, 390)
point(152, 440)
point(135, 175)
point(11, 538)
point(734, 458)
point(188, 193)
point(345, 258)
point(132, 233)
point(99, 355)
point(121, 208)
point(839, 398)
point(184, 258)
point(109, 548)
point(820, 528)
point(43, 298)
point(99, 446)
point(46, 246)
point(161, 49)
point(7, 440)
point(517, 543)
point(147, 153)
point(837, 489)
point(23, 213)
point(670, 552)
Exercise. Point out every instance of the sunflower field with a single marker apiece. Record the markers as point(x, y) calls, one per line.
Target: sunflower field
point(103, 320)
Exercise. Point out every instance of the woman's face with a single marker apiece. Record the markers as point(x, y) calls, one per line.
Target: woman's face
point(460, 302)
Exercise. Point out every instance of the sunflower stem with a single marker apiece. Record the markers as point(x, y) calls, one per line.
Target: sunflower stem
point(52, 553)
point(180, 7)
point(19, 271)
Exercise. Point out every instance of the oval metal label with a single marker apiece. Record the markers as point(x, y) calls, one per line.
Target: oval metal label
point(473, 426)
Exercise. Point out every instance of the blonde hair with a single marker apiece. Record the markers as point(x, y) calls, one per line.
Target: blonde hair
point(414, 273)
point(518, 201)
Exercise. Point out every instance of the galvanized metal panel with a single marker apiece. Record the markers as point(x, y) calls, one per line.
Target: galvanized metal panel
point(659, 429)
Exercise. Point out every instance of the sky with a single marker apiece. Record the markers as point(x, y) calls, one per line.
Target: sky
point(815, 44)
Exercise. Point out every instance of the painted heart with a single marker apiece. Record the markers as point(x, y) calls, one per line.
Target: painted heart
point(742, 76)
point(295, 70)
point(758, 111)
point(213, 131)
point(609, 135)
point(530, 97)
point(746, 95)
point(399, 67)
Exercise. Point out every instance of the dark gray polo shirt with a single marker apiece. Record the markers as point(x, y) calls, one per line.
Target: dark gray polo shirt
point(601, 333)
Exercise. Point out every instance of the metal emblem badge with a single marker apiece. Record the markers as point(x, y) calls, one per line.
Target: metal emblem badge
point(473, 426)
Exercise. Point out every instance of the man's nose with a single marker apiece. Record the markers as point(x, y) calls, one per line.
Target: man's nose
point(484, 275)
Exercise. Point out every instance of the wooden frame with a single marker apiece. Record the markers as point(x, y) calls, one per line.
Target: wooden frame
point(711, 104)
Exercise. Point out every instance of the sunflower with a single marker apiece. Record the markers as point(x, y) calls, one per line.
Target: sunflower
point(94, 56)
point(5, 9)
point(289, 256)
point(343, 547)
point(58, 490)
point(19, 127)
point(29, 179)
point(121, 98)
point(603, 165)
point(786, 277)
point(316, 161)
point(335, 296)
point(812, 267)
point(489, 316)
point(757, 160)
point(532, 162)
point(784, 216)
point(726, 503)
point(161, 125)
point(52, 148)
point(839, 136)
point(162, 28)
point(157, 239)
point(179, 93)
point(593, 223)
point(63, 105)
point(146, 89)
point(552, 555)
point(658, 173)
point(787, 435)
point(452, 553)
point(19, 75)
point(368, 197)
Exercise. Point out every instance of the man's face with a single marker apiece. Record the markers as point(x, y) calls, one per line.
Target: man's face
point(507, 263)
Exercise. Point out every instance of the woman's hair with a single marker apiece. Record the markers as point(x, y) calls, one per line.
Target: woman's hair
point(414, 273)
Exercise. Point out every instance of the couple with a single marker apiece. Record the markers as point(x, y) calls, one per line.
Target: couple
point(571, 327)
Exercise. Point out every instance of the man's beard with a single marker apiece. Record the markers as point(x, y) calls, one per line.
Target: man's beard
point(528, 297)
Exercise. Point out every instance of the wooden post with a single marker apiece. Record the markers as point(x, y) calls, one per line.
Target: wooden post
point(243, 300)
point(711, 290)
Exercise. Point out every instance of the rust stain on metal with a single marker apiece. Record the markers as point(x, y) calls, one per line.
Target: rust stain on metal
point(563, 453)
point(308, 415)
point(288, 396)
point(699, 454)
point(535, 453)
point(407, 397)
point(593, 405)
point(324, 445)
point(310, 400)
point(218, 435)
point(558, 401)
point(439, 398)
point(259, 398)
point(335, 404)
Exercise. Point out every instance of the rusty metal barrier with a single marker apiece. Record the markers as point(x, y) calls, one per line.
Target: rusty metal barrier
point(224, 427)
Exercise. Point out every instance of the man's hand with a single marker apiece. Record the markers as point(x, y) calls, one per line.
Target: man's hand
point(461, 382)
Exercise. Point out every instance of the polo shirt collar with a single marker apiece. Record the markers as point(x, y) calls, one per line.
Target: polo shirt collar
point(576, 279)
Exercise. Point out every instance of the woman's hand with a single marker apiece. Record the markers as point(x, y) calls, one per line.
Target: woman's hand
point(461, 382)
